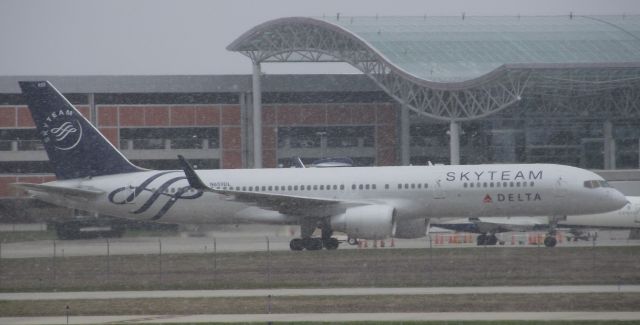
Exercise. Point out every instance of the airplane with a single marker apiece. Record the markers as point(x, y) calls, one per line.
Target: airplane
point(628, 217)
point(362, 202)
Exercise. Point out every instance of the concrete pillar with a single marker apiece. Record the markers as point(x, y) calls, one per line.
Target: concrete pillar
point(609, 146)
point(93, 111)
point(454, 142)
point(405, 140)
point(246, 127)
point(257, 117)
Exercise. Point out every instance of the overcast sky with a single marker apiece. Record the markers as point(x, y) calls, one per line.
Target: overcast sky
point(159, 37)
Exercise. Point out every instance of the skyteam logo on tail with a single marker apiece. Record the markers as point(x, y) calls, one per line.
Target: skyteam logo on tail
point(62, 129)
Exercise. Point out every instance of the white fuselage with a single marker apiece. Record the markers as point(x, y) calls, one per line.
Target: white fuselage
point(626, 217)
point(414, 191)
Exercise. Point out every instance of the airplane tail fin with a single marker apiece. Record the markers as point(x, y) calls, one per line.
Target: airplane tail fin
point(75, 147)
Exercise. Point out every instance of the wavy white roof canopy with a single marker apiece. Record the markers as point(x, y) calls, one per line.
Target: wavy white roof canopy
point(461, 68)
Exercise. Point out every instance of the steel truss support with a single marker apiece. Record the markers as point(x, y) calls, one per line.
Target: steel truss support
point(304, 42)
point(582, 89)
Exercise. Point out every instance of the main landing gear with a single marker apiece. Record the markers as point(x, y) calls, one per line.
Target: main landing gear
point(486, 239)
point(313, 244)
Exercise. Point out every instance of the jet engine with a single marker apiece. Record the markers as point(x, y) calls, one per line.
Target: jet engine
point(412, 228)
point(367, 222)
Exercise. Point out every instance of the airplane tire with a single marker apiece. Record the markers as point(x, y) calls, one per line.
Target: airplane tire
point(491, 240)
point(312, 244)
point(352, 241)
point(296, 244)
point(331, 243)
point(481, 240)
point(550, 241)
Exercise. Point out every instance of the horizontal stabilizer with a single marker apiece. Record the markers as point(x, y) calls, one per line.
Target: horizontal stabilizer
point(82, 192)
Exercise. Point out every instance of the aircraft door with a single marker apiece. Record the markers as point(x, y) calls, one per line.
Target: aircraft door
point(130, 193)
point(560, 189)
point(438, 191)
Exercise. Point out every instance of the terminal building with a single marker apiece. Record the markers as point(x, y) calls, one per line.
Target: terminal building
point(459, 90)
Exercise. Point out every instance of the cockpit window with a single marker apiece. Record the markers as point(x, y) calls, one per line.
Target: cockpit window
point(596, 184)
point(604, 184)
point(591, 184)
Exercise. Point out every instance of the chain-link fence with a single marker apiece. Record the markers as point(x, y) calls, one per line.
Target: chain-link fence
point(212, 268)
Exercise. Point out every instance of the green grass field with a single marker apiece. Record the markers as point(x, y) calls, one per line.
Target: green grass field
point(319, 269)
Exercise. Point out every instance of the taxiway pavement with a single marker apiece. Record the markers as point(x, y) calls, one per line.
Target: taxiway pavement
point(342, 317)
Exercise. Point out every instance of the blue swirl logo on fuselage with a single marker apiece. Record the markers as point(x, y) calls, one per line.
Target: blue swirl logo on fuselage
point(162, 190)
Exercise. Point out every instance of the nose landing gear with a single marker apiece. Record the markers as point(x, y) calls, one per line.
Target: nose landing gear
point(486, 239)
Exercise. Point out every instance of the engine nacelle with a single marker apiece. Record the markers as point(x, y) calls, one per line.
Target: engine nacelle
point(367, 222)
point(412, 228)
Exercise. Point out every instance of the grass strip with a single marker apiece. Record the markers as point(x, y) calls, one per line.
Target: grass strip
point(328, 304)
point(325, 269)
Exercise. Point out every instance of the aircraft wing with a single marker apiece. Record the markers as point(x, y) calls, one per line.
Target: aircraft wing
point(80, 192)
point(285, 204)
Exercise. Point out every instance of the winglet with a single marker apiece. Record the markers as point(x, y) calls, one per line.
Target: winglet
point(193, 178)
point(297, 162)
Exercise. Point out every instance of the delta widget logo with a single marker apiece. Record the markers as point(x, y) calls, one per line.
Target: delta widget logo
point(62, 129)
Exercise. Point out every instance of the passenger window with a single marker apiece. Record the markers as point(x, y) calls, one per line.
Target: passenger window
point(399, 186)
point(289, 187)
point(342, 186)
point(484, 184)
point(264, 188)
point(426, 185)
point(386, 186)
point(373, 187)
point(518, 184)
point(406, 186)
point(302, 187)
point(315, 187)
point(478, 184)
point(366, 187)
point(464, 185)
point(471, 185)
point(335, 187)
point(360, 186)
point(510, 184)
point(532, 183)
point(250, 188)
point(353, 186)
point(295, 187)
point(505, 184)
point(491, 184)
point(497, 184)
point(270, 188)
point(321, 187)
point(413, 186)
point(524, 184)
point(277, 188)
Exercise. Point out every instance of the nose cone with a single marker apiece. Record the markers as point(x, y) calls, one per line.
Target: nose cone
point(616, 199)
